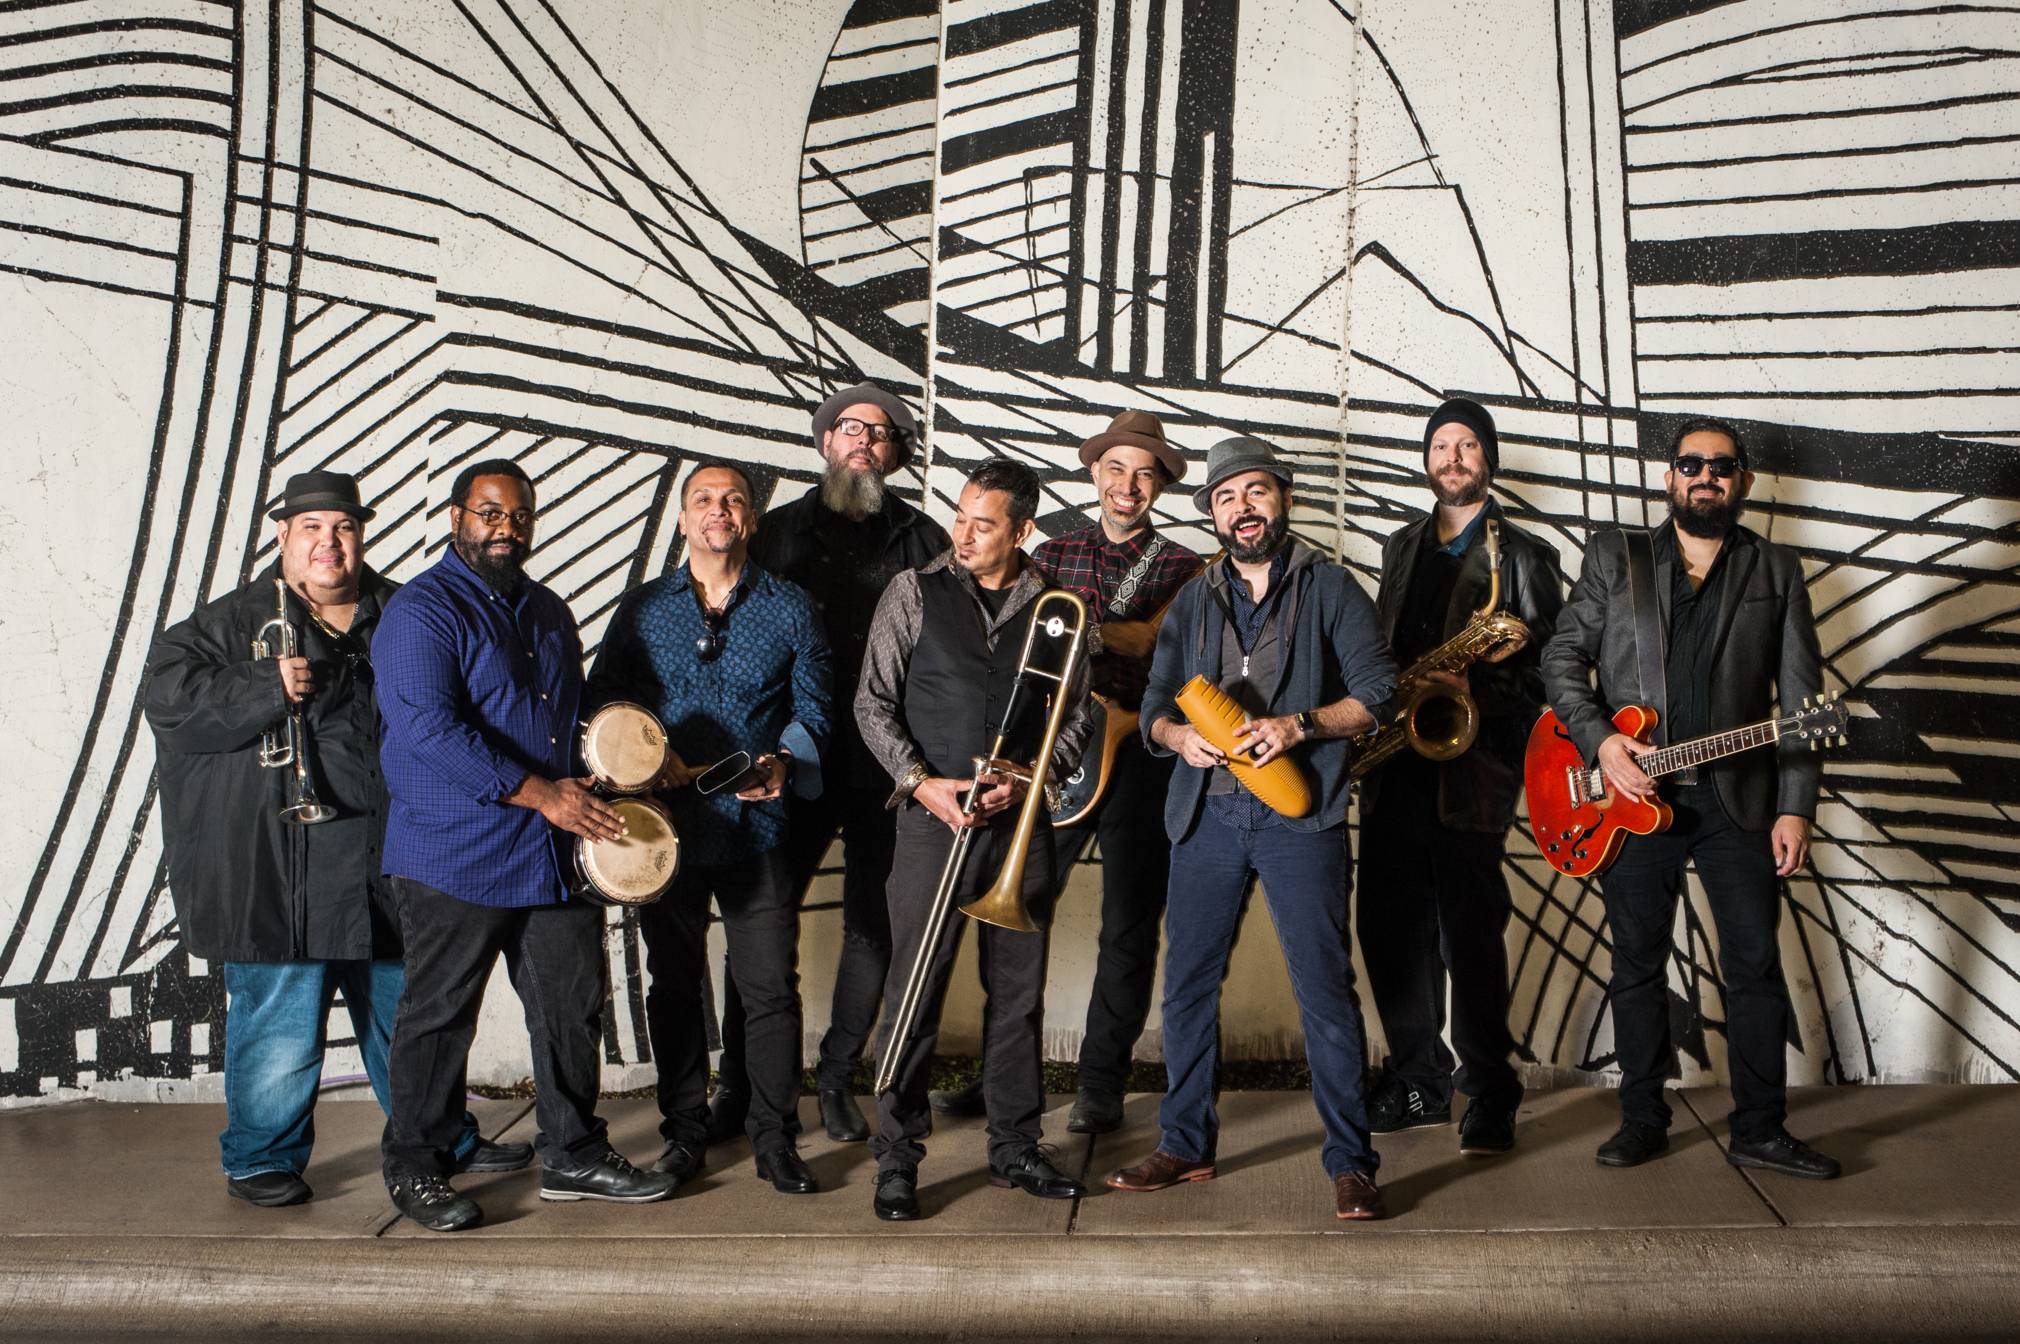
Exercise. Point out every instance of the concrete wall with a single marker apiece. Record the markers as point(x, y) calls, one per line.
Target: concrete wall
point(607, 236)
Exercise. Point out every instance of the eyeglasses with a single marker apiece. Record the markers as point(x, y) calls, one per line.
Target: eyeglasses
point(1690, 464)
point(708, 644)
point(491, 515)
point(848, 427)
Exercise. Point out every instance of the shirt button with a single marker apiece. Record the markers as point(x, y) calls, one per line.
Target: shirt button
point(552, 740)
point(543, 695)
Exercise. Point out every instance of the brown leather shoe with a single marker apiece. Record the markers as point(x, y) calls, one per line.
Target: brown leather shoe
point(1355, 1196)
point(1159, 1170)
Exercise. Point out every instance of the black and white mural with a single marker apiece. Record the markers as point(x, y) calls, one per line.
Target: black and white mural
point(605, 237)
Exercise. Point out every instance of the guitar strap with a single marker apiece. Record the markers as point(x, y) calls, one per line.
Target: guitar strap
point(1125, 590)
point(1648, 632)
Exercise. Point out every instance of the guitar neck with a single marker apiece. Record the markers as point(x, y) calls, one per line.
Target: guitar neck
point(1683, 755)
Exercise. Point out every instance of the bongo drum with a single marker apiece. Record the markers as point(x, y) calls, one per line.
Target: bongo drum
point(623, 747)
point(637, 869)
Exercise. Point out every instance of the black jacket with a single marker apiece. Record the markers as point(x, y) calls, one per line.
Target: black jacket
point(798, 542)
point(248, 886)
point(1766, 656)
point(1477, 791)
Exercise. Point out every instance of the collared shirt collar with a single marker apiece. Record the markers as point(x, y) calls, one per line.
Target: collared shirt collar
point(1463, 542)
point(456, 567)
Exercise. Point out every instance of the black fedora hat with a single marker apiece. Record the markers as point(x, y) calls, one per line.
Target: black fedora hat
point(311, 490)
point(869, 394)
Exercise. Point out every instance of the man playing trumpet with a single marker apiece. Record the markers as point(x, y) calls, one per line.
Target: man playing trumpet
point(1294, 642)
point(1433, 896)
point(937, 679)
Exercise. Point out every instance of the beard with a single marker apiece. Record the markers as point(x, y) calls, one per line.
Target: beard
point(1468, 489)
point(1707, 516)
point(1267, 543)
point(502, 573)
point(853, 494)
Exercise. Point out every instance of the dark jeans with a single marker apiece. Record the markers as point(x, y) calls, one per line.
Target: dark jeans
point(1641, 890)
point(1135, 866)
point(1013, 969)
point(761, 920)
point(554, 954)
point(857, 813)
point(1306, 876)
point(1435, 901)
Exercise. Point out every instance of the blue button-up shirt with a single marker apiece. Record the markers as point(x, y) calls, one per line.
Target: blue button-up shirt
point(477, 691)
point(773, 671)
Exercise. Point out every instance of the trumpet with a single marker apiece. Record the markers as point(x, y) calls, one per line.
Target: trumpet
point(284, 746)
point(1061, 618)
point(1439, 721)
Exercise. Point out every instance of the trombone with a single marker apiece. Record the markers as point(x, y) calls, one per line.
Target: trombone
point(1060, 618)
point(285, 745)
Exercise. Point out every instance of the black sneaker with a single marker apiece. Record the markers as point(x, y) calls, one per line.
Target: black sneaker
point(1486, 1127)
point(964, 1101)
point(431, 1201)
point(269, 1189)
point(682, 1161)
point(489, 1156)
point(1782, 1152)
point(1396, 1105)
point(897, 1198)
point(1632, 1144)
point(611, 1177)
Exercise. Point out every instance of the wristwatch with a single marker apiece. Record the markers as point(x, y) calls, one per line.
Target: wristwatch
point(1307, 725)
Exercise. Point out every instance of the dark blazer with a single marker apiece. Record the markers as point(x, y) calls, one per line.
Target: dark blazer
point(1767, 656)
point(1478, 790)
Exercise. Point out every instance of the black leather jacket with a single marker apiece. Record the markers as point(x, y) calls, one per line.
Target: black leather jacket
point(1477, 791)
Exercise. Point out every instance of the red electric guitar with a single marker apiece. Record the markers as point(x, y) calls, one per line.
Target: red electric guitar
point(1580, 825)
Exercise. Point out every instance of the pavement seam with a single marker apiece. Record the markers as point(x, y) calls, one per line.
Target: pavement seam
point(1760, 1193)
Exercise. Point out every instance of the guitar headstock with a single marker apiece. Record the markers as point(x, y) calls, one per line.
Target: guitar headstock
point(1821, 723)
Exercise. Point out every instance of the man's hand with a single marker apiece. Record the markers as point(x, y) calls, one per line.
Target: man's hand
point(677, 774)
point(298, 683)
point(942, 797)
point(1002, 791)
point(570, 806)
point(1131, 639)
point(1181, 737)
point(1458, 681)
point(1263, 740)
point(1791, 842)
point(1616, 759)
point(771, 779)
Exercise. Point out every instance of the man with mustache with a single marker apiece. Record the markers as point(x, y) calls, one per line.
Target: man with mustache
point(480, 687)
point(731, 659)
point(290, 914)
point(1293, 640)
point(1734, 619)
point(1434, 900)
point(843, 542)
point(1126, 571)
point(937, 681)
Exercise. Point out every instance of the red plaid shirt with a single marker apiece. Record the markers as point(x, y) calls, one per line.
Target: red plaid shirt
point(1091, 566)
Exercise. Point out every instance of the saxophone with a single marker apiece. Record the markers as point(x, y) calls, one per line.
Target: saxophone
point(1438, 720)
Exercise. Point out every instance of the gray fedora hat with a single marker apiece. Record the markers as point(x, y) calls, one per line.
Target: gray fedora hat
point(311, 490)
point(1234, 457)
point(869, 394)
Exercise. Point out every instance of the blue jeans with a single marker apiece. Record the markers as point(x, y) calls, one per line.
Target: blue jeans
point(1306, 876)
point(275, 1030)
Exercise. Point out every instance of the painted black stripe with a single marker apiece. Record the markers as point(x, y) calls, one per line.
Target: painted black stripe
point(1000, 142)
point(1013, 25)
point(1930, 249)
point(860, 97)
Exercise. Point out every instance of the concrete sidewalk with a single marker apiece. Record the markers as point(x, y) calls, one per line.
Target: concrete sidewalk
point(117, 1224)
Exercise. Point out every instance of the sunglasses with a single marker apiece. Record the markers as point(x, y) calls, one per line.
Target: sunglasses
point(708, 644)
point(1722, 468)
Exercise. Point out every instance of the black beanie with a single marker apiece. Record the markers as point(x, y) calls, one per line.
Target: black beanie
point(1473, 416)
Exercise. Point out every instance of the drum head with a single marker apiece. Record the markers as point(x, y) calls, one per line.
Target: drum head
point(638, 869)
point(624, 747)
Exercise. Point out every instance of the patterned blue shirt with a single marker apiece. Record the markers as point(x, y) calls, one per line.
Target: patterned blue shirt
point(476, 692)
point(773, 671)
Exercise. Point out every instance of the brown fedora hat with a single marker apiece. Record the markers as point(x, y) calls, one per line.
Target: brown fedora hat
point(1135, 429)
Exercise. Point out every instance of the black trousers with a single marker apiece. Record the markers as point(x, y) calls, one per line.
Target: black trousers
point(1434, 915)
point(1013, 970)
point(554, 954)
point(1135, 868)
point(1641, 889)
point(760, 917)
point(856, 812)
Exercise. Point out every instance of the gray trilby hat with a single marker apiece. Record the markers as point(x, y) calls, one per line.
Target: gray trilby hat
point(869, 394)
point(311, 490)
point(1233, 457)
